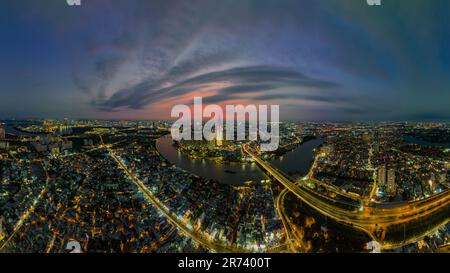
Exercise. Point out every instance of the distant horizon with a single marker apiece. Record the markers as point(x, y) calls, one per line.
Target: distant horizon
point(205, 119)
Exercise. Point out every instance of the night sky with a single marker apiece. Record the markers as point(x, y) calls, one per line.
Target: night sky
point(319, 60)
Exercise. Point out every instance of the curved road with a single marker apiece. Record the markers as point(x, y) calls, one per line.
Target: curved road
point(367, 217)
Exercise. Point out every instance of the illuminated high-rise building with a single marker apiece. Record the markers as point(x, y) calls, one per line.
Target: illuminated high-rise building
point(219, 136)
point(381, 175)
point(391, 188)
point(432, 183)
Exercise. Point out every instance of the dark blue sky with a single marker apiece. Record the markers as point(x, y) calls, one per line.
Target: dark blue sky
point(318, 59)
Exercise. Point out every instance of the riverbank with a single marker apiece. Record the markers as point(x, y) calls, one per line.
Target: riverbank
point(296, 161)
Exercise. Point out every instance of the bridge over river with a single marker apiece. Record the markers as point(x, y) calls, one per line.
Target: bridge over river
point(373, 217)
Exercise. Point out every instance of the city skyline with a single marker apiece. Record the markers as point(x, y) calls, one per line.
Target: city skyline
point(319, 60)
point(127, 186)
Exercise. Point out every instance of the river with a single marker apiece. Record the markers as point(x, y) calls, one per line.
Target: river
point(297, 161)
point(13, 131)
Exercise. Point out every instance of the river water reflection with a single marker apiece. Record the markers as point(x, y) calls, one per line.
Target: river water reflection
point(297, 161)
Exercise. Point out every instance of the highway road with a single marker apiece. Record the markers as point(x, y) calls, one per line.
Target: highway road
point(366, 218)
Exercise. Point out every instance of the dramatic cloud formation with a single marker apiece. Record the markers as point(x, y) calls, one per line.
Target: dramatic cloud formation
point(229, 84)
point(318, 59)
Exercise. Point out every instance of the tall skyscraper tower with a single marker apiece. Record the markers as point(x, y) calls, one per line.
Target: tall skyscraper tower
point(432, 183)
point(219, 135)
point(381, 175)
point(391, 188)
